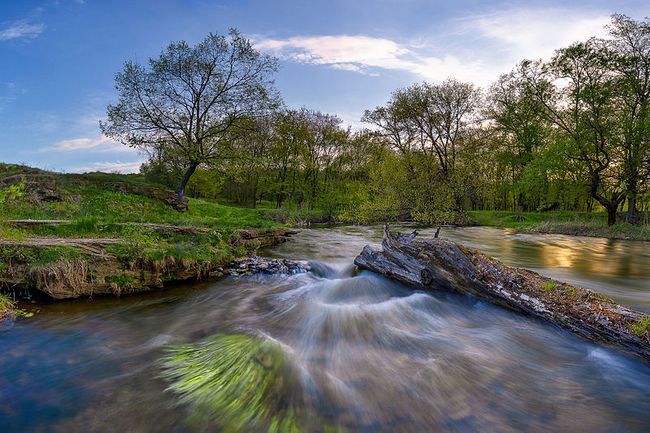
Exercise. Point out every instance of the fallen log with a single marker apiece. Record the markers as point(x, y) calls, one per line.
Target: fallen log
point(434, 264)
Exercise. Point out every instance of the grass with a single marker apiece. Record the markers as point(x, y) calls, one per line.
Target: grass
point(6, 306)
point(90, 200)
point(96, 208)
point(642, 327)
point(563, 222)
point(549, 286)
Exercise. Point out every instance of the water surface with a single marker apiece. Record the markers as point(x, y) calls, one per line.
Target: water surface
point(374, 355)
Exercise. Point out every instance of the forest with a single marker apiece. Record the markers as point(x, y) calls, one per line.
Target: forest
point(568, 133)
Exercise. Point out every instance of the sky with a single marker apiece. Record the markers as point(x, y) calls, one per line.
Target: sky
point(58, 58)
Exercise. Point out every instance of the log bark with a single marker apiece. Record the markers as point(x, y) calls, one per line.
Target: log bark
point(434, 264)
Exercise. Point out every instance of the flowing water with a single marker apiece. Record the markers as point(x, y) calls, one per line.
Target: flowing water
point(370, 355)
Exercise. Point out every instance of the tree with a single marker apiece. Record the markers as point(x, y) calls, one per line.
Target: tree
point(427, 123)
point(630, 44)
point(189, 100)
point(576, 90)
point(518, 126)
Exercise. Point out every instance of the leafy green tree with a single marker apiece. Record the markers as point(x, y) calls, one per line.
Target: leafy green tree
point(577, 94)
point(518, 126)
point(427, 123)
point(630, 44)
point(189, 99)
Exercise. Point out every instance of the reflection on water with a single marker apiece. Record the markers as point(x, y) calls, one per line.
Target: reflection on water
point(619, 268)
point(366, 354)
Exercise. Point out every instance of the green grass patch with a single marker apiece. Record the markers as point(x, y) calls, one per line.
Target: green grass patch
point(11, 233)
point(549, 286)
point(47, 255)
point(101, 205)
point(571, 291)
point(92, 202)
point(642, 327)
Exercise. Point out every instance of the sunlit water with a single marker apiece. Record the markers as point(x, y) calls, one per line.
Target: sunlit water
point(386, 358)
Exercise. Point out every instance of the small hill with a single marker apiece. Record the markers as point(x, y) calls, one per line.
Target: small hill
point(112, 198)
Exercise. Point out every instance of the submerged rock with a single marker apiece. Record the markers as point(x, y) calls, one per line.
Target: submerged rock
point(261, 265)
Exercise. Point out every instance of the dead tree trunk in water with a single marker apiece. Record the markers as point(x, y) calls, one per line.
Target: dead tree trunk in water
point(434, 264)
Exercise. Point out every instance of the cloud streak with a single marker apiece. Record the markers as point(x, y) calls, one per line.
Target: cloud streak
point(474, 48)
point(367, 55)
point(110, 167)
point(100, 143)
point(21, 30)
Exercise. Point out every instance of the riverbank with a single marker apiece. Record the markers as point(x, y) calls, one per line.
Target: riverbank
point(592, 224)
point(69, 235)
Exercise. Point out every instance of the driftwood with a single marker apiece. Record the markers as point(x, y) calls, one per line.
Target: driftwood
point(433, 264)
point(94, 246)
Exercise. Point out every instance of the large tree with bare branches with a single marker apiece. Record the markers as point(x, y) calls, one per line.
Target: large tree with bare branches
point(189, 101)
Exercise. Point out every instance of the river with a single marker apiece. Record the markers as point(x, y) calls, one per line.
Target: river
point(368, 354)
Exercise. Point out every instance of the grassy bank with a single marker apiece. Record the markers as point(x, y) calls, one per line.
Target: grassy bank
point(561, 222)
point(113, 231)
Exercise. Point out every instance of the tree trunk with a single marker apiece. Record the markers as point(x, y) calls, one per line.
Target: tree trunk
point(180, 192)
point(434, 264)
point(632, 216)
point(611, 214)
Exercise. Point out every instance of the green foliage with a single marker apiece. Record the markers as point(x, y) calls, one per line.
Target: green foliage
point(8, 308)
point(11, 233)
point(123, 282)
point(12, 193)
point(222, 77)
point(237, 381)
point(46, 255)
point(18, 254)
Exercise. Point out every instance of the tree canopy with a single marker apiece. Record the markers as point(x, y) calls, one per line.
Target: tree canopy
point(571, 132)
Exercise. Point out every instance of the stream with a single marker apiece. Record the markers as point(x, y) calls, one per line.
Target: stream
point(369, 354)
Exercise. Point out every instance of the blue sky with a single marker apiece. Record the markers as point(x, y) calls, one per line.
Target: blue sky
point(58, 58)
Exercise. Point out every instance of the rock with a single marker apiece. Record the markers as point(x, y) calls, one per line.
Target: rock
point(165, 195)
point(261, 265)
point(39, 187)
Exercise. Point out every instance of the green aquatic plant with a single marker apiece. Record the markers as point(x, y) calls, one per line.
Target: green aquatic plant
point(238, 382)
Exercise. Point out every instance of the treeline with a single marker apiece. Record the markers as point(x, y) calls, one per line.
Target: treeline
point(569, 133)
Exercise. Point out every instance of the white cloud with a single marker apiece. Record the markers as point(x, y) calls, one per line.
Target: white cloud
point(110, 167)
point(535, 33)
point(21, 29)
point(475, 48)
point(366, 55)
point(100, 143)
